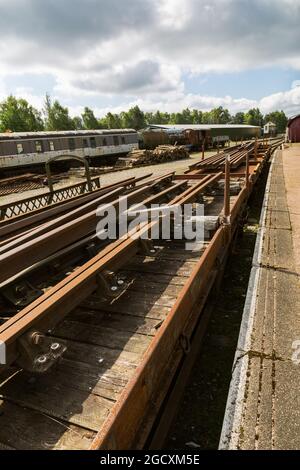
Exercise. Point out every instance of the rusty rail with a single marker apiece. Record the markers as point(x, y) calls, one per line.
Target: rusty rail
point(60, 300)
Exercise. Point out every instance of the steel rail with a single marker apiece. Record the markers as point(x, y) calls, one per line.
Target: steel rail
point(69, 216)
point(22, 221)
point(22, 256)
point(14, 232)
point(56, 303)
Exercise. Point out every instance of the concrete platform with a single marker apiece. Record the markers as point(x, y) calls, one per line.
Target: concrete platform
point(263, 407)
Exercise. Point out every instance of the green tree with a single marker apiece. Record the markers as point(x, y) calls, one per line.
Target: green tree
point(279, 118)
point(134, 118)
point(219, 116)
point(89, 120)
point(150, 118)
point(77, 121)
point(113, 121)
point(238, 118)
point(206, 117)
point(176, 118)
point(18, 116)
point(57, 117)
point(196, 116)
point(186, 116)
point(254, 117)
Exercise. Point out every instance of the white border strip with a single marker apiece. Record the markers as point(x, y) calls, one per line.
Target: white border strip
point(233, 414)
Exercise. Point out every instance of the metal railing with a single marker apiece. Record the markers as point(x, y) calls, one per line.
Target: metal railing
point(24, 206)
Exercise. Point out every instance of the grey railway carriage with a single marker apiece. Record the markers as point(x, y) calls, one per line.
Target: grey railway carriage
point(29, 149)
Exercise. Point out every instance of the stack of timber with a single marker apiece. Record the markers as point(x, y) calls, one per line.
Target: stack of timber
point(162, 153)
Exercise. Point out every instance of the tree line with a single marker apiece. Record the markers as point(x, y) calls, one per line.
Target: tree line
point(17, 115)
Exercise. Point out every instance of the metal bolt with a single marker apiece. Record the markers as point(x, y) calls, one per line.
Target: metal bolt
point(36, 338)
point(54, 346)
point(114, 288)
point(42, 359)
point(120, 282)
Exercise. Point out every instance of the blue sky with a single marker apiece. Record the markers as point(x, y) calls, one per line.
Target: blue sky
point(253, 84)
point(158, 54)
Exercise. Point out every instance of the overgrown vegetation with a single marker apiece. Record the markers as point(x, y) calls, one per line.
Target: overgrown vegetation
point(17, 115)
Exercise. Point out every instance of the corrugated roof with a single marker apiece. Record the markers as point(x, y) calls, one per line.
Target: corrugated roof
point(202, 127)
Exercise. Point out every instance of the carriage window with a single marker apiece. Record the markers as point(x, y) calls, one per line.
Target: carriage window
point(72, 144)
point(104, 142)
point(116, 140)
point(39, 146)
point(20, 148)
point(85, 143)
point(123, 140)
point(93, 142)
point(51, 145)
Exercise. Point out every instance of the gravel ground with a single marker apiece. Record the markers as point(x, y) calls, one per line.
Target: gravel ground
point(156, 170)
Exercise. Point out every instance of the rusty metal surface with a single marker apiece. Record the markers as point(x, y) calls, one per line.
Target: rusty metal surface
point(52, 236)
point(23, 221)
point(65, 296)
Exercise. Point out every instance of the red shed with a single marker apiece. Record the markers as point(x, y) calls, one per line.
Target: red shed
point(294, 129)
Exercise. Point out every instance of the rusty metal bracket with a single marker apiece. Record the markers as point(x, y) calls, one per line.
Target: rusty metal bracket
point(110, 286)
point(39, 352)
point(92, 250)
point(20, 294)
point(185, 343)
point(146, 247)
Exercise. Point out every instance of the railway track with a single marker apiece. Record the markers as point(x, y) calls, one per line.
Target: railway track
point(95, 331)
point(19, 184)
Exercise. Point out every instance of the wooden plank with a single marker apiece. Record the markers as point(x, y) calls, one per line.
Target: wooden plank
point(64, 403)
point(145, 326)
point(154, 277)
point(141, 285)
point(98, 335)
point(165, 252)
point(5, 447)
point(72, 374)
point(97, 355)
point(25, 429)
point(139, 309)
point(161, 266)
point(147, 298)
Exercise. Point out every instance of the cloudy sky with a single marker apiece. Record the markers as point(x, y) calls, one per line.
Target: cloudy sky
point(159, 54)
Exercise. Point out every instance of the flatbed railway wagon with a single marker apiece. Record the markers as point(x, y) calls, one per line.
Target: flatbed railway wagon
point(99, 339)
point(24, 150)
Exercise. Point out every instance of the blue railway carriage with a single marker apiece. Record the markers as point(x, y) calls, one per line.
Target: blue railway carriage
point(24, 149)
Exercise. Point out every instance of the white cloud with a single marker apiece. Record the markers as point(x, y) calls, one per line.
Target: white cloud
point(288, 101)
point(28, 94)
point(138, 51)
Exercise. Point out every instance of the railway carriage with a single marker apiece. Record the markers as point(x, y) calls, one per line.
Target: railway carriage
point(30, 149)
